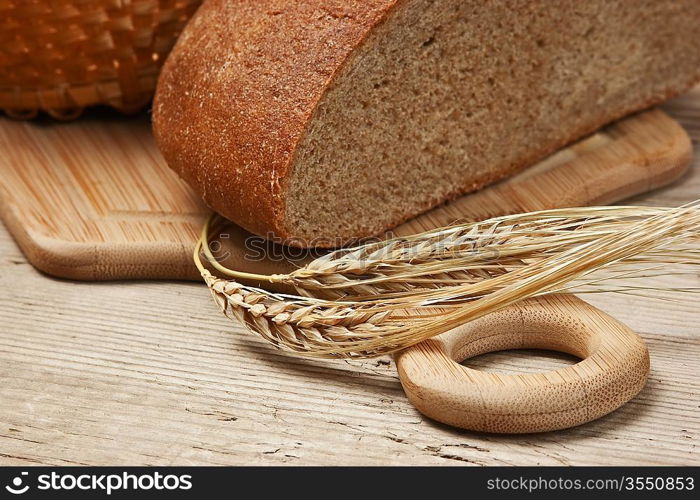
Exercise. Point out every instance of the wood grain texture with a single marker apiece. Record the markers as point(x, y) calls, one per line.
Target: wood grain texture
point(613, 367)
point(150, 373)
point(94, 200)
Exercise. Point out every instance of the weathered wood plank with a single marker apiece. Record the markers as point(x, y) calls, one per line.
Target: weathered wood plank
point(150, 373)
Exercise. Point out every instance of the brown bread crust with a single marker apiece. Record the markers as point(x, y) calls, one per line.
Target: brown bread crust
point(232, 138)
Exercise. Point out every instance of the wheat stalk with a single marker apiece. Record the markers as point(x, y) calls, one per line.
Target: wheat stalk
point(381, 297)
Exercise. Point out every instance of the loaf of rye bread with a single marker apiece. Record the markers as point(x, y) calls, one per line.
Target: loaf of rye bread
point(322, 121)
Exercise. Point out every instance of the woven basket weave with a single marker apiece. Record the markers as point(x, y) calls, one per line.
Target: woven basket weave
point(63, 55)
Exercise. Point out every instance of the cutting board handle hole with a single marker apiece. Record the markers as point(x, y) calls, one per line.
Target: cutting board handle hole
point(519, 361)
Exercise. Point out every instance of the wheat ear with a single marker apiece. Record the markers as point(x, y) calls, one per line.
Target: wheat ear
point(389, 295)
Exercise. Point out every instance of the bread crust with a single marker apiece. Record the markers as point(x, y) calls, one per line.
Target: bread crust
point(283, 58)
point(242, 84)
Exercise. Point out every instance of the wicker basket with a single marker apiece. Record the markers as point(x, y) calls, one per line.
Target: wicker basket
point(63, 55)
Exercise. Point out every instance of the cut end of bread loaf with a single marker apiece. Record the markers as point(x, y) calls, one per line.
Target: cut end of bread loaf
point(388, 108)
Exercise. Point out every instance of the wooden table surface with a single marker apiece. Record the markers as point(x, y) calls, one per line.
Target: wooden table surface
point(149, 373)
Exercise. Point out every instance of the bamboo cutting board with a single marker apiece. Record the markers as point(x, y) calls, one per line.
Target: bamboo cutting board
point(94, 200)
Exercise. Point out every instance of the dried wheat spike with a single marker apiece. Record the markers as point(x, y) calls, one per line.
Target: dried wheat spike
point(306, 326)
point(464, 254)
point(396, 300)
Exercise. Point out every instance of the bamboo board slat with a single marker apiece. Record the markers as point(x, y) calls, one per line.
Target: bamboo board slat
point(94, 200)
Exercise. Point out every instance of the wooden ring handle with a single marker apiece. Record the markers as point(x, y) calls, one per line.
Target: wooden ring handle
point(614, 368)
